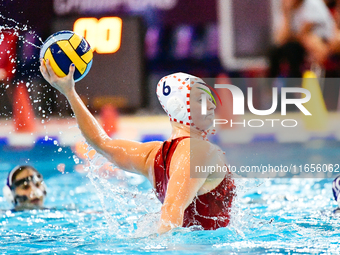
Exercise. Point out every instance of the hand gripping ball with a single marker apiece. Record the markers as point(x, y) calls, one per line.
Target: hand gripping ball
point(64, 48)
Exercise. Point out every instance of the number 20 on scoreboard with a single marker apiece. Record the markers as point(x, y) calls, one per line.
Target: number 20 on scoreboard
point(104, 35)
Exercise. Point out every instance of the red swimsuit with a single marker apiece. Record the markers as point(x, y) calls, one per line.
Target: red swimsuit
point(210, 210)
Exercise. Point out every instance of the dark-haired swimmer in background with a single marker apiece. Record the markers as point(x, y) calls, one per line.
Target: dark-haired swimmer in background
point(336, 193)
point(204, 201)
point(25, 188)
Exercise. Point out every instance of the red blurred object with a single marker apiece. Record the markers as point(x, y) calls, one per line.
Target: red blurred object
point(8, 41)
point(109, 119)
point(23, 115)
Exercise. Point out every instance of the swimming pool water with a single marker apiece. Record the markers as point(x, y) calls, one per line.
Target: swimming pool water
point(91, 215)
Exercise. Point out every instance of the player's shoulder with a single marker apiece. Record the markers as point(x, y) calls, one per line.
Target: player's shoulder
point(154, 145)
point(195, 141)
point(150, 149)
point(199, 146)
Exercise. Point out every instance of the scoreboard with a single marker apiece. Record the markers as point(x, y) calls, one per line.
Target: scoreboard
point(104, 34)
point(117, 74)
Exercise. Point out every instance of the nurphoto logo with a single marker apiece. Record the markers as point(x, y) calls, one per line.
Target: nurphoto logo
point(239, 99)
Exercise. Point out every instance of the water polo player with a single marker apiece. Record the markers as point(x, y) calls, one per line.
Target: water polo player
point(203, 201)
point(336, 193)
point(25, 188)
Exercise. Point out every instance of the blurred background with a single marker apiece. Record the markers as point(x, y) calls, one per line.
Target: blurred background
point(208, 38)
point(241, 42)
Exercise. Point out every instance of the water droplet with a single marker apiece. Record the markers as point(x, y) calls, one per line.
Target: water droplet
point(76, 159)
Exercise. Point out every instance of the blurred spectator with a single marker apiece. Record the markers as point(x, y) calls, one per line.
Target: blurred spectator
point(334, 7)
point(306, 29)
point(8, 42)
point(25, 188)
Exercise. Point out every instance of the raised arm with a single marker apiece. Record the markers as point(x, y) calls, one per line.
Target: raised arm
point(127, 155)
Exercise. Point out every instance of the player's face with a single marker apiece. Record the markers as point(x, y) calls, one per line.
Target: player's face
point(29, 191)
point(197, 95)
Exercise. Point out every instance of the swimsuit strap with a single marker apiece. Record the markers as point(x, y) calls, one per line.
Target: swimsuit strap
point(162, 165)
point(168, 151)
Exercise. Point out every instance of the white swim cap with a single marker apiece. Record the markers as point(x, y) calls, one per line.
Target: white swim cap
point(173, 92)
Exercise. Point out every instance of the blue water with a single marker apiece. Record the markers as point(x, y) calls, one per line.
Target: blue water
point(92, 215)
